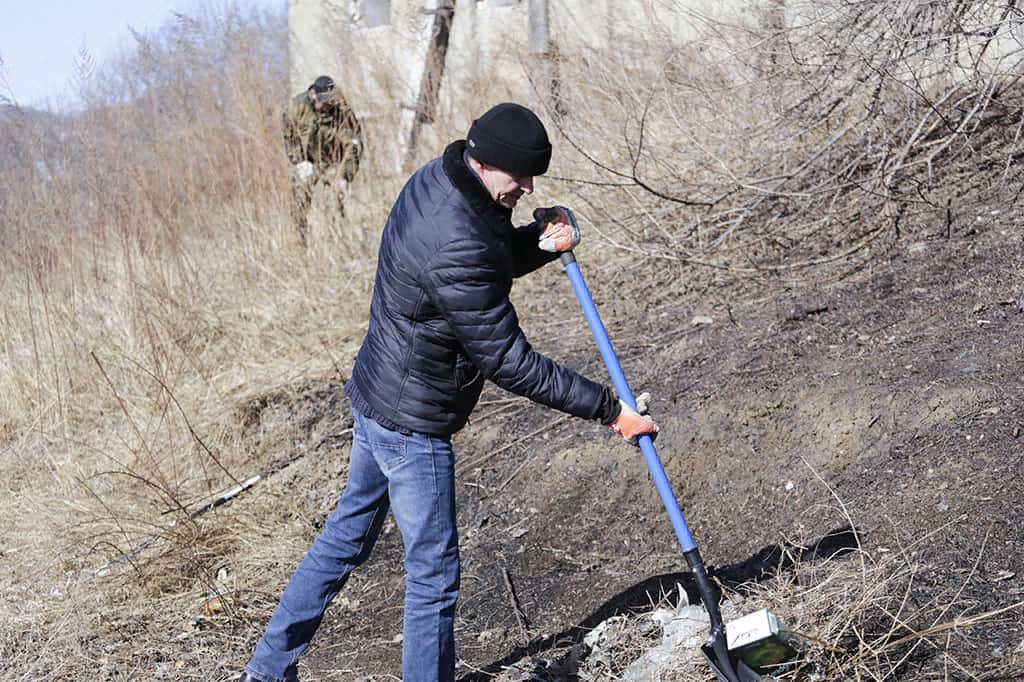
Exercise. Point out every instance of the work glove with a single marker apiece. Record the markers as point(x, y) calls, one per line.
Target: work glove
point(560, 231)
point(304, 172)
point(631, 424)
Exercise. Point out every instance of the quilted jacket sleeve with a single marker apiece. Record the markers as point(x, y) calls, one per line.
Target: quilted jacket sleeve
point(475, 304)
point(526, 255)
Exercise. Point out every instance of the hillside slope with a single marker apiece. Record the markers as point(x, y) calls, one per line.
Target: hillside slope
point(891, 400)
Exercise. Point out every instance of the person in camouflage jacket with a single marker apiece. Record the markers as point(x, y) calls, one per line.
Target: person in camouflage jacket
point(324, 142)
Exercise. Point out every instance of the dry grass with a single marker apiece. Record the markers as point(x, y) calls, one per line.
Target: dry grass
point(866, 617)
point(153, 286)
point(154, 291)
point(861, 617)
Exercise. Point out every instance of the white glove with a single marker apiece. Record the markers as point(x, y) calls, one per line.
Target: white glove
point(561, 233)
point(305, 172)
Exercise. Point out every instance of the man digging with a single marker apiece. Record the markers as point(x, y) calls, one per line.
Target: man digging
point(440, 324)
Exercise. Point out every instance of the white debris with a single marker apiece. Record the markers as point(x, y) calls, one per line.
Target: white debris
point(687, 628)
point(604, 632)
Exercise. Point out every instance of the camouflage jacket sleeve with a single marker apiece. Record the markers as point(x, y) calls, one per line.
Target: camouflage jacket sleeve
point(349, 141)
point(297, 127)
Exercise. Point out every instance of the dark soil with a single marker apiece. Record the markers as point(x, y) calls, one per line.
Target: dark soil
point(890, 399)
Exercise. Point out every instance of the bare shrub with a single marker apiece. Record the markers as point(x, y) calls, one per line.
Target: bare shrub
point(794, 135)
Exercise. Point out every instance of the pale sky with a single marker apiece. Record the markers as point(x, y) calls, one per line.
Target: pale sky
point(40, 39)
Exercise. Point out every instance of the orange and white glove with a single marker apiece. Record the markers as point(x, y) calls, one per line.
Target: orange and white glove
point(561, 233)
point(631, 424)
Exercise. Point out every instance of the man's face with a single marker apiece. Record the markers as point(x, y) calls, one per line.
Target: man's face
point(322, 101)
point(505, 188)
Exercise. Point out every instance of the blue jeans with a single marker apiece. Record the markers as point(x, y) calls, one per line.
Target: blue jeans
point(414, 475)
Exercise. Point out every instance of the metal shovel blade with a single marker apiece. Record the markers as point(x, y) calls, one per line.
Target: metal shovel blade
point(743, 672)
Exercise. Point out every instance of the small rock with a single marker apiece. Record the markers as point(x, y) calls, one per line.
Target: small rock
point(492, 634)
point(701, 321)
point(213, 605)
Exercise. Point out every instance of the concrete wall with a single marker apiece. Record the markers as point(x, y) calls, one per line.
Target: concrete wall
point(377, 64)
point(376, 49)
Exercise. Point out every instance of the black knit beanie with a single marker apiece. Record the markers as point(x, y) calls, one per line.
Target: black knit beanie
point(322, 84)
point(510, 137)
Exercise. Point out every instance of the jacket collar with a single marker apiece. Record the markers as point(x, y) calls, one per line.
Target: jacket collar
point(472, 190)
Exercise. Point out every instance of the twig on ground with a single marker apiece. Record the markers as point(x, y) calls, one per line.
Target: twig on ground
point(521, 619)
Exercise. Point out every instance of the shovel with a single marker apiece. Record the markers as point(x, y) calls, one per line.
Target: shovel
point(727, 668)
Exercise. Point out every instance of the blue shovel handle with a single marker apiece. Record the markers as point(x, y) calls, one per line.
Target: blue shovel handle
point(716, 650)
point(604, 345)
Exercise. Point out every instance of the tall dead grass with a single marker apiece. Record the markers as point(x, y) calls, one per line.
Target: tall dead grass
point(152, 283)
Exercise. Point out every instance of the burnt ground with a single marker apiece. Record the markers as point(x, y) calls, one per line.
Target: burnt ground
point(890, 399)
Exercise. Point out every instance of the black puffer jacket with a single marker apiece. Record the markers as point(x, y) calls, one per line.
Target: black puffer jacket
point(441, 321)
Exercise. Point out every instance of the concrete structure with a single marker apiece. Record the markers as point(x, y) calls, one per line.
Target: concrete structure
point(412, 67)
point(417, 70)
